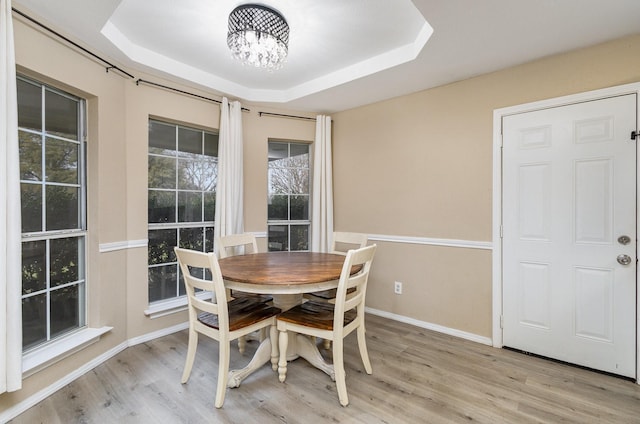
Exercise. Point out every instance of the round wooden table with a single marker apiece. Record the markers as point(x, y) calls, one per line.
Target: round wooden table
point(285, 276)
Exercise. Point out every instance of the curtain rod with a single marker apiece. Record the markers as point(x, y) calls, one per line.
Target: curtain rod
point(111, 65)
point(166, 87)
point(306, 118)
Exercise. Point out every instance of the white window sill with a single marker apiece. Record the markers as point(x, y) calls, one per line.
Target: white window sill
point(167, 307)
point(51, 353)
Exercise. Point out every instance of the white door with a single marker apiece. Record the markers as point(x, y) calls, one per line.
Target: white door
point(569, 201)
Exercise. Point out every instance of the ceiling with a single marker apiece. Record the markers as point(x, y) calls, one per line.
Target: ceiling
point(342, 54)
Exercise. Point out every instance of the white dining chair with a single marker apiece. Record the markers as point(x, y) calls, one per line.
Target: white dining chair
point(241, 244)
point(340, 243)
point(333, 321)
point(219, 319)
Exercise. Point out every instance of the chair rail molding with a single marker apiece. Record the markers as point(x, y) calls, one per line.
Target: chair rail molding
point(466, 244)
point(122, 245)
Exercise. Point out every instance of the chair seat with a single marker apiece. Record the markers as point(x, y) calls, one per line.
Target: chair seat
point(326, 295)
point(314, 314)
point(259, 297)
point(243, 311)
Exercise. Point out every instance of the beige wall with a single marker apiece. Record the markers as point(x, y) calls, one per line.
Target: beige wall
point(421, 166)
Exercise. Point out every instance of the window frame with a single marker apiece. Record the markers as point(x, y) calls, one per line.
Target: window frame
point(289, 223)
point(161, 306)
point(80, 233)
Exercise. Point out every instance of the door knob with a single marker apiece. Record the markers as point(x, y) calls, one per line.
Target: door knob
point(624, 240)
point(624, 259)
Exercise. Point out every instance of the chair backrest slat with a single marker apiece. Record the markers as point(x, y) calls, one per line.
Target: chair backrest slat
point(236, 244)
point(344, 241)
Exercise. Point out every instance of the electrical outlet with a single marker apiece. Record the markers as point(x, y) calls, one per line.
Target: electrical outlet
point(397, 287)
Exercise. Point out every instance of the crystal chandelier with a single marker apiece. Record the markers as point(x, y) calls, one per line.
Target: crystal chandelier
point(258, 36)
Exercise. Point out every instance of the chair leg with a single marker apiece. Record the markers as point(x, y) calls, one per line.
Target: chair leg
point(283, 342)
point(191, 355)
point(242, 344)
point(338, 367)
point(223, 371)
point(364, 354)
point(273, 337)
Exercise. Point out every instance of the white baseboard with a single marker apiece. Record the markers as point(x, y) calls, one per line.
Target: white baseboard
point(430, 326)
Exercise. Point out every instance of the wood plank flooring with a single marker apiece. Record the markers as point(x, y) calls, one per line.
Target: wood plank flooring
point(419, 376)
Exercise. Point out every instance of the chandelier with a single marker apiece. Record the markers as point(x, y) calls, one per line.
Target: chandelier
point(258, 36)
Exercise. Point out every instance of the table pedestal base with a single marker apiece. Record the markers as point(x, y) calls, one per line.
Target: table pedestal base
point(300, 346)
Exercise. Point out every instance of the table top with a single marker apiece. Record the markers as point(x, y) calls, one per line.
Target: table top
point(283, 272)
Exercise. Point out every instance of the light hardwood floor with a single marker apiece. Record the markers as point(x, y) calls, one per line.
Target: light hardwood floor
point(419, 376)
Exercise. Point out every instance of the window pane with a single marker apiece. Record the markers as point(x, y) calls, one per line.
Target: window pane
point(211, 144)
point(30, 148)
point(299, 181)
point(61, 115)
point(208, 241)
point(197, 174)
point(162, 138)
point(163, 282)
point(299, 208)
point(31, 197)
point(29, 105)
point(278, 238)
point(278, 154)
point(278, 181)
point(64, 310)
point(209, 206)
point(64, 261)
point(34, 320)
point(299, 237)
point(189, 207)
point(189, 141)
point(192, 238)
point(61, 161)
point(62, 208)
point(34, 266)
point(162, 172)
point(162, 206)
point(278, 207)
point(299, 155)
point(161, 244)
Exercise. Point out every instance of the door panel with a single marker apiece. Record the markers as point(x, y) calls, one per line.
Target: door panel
point(569, 192)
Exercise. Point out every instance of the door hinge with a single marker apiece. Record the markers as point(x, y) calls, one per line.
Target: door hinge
point(635, 135)
point(502, 322)
point(501, 233)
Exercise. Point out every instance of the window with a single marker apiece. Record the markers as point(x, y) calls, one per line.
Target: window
point(52, 186)
point(288, 209)
point(183, 170)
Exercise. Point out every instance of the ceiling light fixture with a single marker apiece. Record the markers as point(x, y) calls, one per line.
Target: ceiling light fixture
point(258, 36)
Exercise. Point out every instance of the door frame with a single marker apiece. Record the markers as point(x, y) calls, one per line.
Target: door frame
point(497, 266)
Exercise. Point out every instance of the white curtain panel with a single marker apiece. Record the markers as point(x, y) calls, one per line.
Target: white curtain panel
point(322, 202)
point(229, 194)
point(10, 225)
